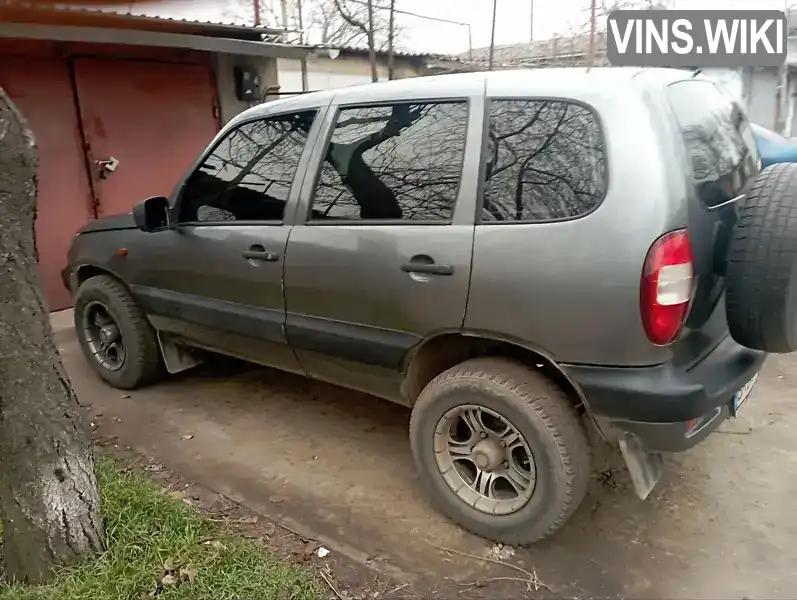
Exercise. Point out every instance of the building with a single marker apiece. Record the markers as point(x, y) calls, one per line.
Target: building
point(121, 104)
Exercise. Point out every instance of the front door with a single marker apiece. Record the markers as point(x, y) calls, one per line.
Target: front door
point(382, 259)
point(216, 279)
point(144, 123)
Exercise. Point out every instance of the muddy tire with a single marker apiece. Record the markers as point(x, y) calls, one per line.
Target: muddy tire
point(761, 279)
point(539, 411)
point(139, 363)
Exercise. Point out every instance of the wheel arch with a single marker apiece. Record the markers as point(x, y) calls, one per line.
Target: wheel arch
point(86, 271)
point(444, 350)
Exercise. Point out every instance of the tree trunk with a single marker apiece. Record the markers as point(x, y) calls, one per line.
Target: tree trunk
point(391, 31)
point(371, 42)
point(49, 499)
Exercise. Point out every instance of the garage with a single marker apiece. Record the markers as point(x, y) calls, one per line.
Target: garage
point(110, 131)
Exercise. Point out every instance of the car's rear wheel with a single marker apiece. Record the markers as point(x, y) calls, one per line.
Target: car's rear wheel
point(115, 336)
point(501, 449)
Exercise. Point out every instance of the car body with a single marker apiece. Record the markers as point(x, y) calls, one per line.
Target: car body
point(773, 147)
point(548, 245)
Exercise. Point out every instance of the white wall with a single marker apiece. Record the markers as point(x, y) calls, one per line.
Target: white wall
point(763, 93)
point(324, 73)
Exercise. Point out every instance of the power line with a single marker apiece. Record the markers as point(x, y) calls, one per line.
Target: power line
point(438, 19)
point(411, 14)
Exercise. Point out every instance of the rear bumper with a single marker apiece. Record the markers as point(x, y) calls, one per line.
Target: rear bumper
point(659, 404)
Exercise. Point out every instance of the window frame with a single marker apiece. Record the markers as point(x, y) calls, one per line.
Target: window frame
point(477, 220)
point(224, 135)
point(327, 138)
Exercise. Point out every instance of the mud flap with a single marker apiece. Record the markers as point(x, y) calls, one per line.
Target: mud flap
point(176, 357)
point(646, 468)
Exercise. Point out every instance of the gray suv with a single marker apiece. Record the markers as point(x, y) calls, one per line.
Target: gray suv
point(518, 256)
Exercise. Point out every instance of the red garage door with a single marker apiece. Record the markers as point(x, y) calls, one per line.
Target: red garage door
point(42, 89)
point(153, 118)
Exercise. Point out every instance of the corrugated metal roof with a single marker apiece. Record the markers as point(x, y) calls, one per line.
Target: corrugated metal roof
point(400, 53)
point(27, 11)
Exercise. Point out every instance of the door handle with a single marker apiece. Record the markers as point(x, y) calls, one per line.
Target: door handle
point(257, 252)
point(427, 268)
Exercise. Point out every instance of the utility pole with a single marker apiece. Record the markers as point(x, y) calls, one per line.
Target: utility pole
point(531, 20)
point(256, 6)
point(592, 28)
point(390, 36)
point(284, 10)
point(492, 36)
point(371, 42)
point(305, 85)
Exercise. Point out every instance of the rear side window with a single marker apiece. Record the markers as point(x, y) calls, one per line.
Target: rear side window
point(545, 161)
point(719, 141)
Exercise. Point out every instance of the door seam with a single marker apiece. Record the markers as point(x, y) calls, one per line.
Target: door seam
point(87, 155)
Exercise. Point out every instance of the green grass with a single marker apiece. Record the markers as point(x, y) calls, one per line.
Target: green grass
point(146, 529)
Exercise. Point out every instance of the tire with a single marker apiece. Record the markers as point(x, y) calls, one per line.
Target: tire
point(761, 278)
point(142, 364)
point(541, 412)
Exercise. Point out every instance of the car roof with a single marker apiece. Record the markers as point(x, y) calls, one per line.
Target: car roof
point(542, 80)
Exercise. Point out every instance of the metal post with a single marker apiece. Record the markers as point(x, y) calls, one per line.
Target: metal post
point(470, 42)
point(592, 28)
point(531, 20)
point(284, 11)
point(257, 12)
point(492, 36)
point(301, 42)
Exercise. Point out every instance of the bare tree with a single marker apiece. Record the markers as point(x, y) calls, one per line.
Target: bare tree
point(362, 23)
point(49, 499)
point(345, 23)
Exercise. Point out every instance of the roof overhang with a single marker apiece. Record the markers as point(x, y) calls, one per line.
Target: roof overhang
point(138, 37)
point(113, 19)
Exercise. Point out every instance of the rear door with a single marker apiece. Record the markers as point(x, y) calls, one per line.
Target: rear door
point(722, 160)
point(216, 279)
point(380, 256)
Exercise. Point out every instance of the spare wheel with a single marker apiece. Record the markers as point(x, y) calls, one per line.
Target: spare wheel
point(761, 279)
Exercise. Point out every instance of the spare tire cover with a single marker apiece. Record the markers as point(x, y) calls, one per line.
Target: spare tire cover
point(761, 286)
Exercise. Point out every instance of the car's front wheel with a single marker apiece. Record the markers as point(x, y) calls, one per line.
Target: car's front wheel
point(115, 336)
point(501, 449)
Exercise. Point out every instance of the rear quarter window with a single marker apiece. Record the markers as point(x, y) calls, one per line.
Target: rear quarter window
point(545, 161)
point(720, 145)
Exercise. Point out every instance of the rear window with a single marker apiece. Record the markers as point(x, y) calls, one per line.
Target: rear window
point(719, 141)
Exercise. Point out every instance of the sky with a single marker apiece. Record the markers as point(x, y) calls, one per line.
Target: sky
point(513, 18)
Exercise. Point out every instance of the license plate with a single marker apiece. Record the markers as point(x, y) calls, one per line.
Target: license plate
point(742, 395)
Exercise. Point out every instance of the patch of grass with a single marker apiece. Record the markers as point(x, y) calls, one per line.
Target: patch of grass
point(150, 533)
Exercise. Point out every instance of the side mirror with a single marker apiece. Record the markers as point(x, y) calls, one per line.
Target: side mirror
point(153, 214)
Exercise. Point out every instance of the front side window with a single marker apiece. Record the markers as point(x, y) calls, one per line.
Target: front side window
point(248, 175)
point(395, 162)
point(545, 161)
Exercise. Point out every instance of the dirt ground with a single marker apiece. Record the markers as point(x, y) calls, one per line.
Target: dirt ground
point(335, 466)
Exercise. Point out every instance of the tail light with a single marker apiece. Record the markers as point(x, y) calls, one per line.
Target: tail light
point(666, 287)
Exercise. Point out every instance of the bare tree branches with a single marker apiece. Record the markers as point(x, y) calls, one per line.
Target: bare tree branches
point(345, 23)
